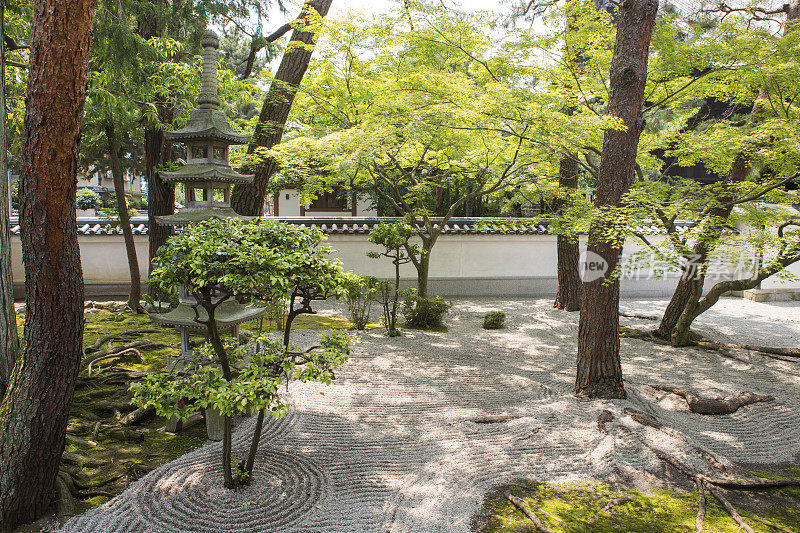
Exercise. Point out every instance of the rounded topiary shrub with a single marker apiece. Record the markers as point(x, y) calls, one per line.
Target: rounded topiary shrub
point(494, 320)
point(424, 313)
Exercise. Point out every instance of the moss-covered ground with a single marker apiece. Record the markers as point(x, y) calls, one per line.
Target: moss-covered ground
point(581, 508)
point(101, 456)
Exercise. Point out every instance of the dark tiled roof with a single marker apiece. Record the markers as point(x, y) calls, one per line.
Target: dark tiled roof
point(357, 226)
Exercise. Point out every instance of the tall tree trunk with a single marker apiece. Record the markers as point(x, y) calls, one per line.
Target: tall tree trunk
point(160, 196)
point(599, 371)
point(34, 411)
point(124, 220)
point(249, 199)
point(9, 343)
point(568, 296)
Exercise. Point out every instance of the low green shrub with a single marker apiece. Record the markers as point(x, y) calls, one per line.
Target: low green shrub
point(494, 320)
point(87, 199)
point(359, 292)
point(423, 312)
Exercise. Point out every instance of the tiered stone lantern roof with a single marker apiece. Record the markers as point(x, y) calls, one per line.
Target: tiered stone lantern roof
point(207, 176)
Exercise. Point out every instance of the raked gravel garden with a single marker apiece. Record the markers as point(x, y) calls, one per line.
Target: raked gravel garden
point(416, 430)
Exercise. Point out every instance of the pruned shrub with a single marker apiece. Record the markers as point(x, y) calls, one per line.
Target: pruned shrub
point(494, 320)
point(359, 296)
point(424, 313)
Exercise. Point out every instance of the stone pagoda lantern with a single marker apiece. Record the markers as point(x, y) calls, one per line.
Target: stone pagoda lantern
point(207, 179)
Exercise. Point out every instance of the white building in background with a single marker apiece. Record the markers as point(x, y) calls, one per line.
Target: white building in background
point(102, 182)
point(330, 204)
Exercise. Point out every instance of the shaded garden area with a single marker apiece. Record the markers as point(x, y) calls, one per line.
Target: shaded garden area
point(417, 429)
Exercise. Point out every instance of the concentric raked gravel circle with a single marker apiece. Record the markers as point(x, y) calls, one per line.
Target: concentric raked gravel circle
point(416, 429)
point(286, 485)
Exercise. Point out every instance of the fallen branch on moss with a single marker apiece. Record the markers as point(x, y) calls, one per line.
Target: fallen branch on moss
point(715, 406)
point(519, 504)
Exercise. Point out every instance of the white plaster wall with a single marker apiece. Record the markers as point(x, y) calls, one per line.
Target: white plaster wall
point(365, 207)
point(289, 207)
point(469, 265)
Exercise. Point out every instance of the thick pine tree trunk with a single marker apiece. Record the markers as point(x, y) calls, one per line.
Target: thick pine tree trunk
point(9, 343)
point(599, 372)
point(249, 199)
point(34, 411)
point(124, 220)
point(568, 296)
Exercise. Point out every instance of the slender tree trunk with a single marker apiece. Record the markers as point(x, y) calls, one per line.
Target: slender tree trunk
point(249, 199)
point(222, 357)
point(680, 299)
point(599, 370)
point(568, 296)
point(396, 298)
point(124, 220)
point(422, 272)
point(9, 342)
point(35, 409)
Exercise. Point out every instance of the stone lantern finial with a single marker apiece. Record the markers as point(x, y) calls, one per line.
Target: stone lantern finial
point(209, 99)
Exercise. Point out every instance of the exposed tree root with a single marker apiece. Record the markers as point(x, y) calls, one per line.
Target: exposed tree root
point(125, 335)
point(650, 421)
point(131, 355)
point(66, 505)
point(519, 504)
point(604, 417)
point(641, 317)
point(711, 344)
point(701, 506)
point(782, 354)
point(141, 345)
point(711, 484)
point(81, 442)
point(730, 508)
point(136, 416)
point(715, 406)
point(767, 523)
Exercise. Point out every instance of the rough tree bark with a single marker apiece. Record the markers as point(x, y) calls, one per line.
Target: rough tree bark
point(9, 343)
point(124, 219)
point(599, 371)
point(568, 296)
point(160, 196)
point(249, 199)
point(34, 411)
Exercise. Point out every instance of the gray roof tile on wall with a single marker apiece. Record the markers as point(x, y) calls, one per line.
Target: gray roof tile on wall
point(358, 226)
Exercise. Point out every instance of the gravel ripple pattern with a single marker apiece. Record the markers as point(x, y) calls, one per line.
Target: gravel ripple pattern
point(403, 440)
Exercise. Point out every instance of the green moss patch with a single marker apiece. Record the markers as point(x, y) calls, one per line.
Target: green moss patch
point(582, 507)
